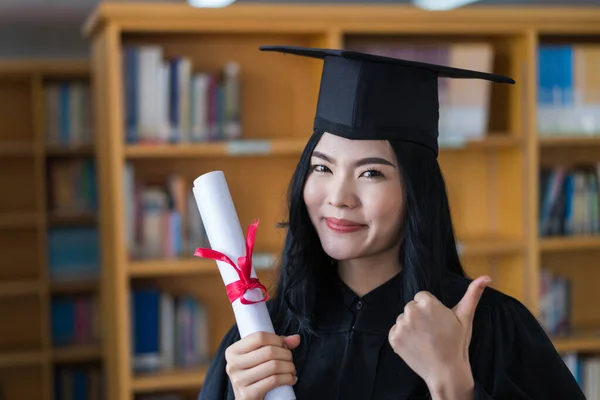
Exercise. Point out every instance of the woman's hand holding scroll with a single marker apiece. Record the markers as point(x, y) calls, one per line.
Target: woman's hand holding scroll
point(259, 363)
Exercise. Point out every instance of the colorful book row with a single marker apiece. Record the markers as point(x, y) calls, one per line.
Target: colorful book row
point(68, 113)
point(168, 330)
point(555, 303)
point(162, 220)
point(569, 201)
point(586, 370)
point(569, 89)
point(72, 187)
point(73, 253)
point(79, 383)
point(171, 100)
point(75, 320)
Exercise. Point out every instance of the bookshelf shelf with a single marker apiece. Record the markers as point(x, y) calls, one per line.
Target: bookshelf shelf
point(70, 151)
point(19, 220)
point(170, 380)
point(490, 141)
point(49, 67)
point(17, 149)
point(19, 288)
point(156, 268)
point(587, 340)
point(574, 140)
point(281, 147)
point(580, 345)
point(22, 358)
point(76, 354)
point(75, 286)
point(66, 219)
point(216, 149)
point(575, 243)
point(490, 245)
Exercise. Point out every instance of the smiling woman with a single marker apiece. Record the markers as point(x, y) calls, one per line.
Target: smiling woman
point(352, 194)
point(372, 299)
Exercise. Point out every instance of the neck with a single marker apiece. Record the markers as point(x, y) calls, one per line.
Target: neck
point(365, 274)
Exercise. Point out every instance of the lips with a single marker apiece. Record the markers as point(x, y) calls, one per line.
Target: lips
point(343, 225)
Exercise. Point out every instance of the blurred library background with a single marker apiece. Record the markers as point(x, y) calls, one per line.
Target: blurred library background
point(110, 110)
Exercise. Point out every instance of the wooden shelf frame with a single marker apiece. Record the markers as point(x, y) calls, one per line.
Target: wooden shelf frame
point(28, 218)
point(567, 244)
point(22, 358)
point(562, 141)
point(511, 240)
point(74, 354)
point(176, 379)
point(578, 345)
point(280, 147)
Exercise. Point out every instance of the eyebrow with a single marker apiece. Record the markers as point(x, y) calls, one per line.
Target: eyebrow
point(358, 163)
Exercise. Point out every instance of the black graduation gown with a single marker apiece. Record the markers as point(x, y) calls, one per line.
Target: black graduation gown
point(511, 356)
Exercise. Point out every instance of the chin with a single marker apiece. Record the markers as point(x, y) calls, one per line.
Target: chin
point(342, 255)
point(343, 249)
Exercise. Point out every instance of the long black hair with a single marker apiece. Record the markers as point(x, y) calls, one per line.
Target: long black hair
point(428, 247)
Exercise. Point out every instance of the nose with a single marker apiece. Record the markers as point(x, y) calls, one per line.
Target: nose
point(342, 193)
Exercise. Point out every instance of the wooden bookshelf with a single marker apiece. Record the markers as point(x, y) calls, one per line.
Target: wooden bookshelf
point(27, 356)
point(582, 340)
point(19, 288)
point(19, 220)
point(490, 246)
point(17, 149)
point(169, 380)
point(19, 359)
point(569, 141)
point(492, 182)
point(566, 244)
point(70, 151)
point(189, 266)
point(77, 354)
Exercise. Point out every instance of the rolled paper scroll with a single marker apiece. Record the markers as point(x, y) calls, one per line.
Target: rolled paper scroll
point(233, 255)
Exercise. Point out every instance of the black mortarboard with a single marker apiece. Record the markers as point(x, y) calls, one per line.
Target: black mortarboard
point(366, 96)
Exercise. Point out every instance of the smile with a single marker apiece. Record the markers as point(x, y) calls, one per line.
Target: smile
point(343, 226)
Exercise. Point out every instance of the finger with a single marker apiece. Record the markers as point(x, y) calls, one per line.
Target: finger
point(410, 307)
point(424, 297)
point(465, 309)
point(261, 388)
point(260, 356)
point(291, 342)
point(255, 341)
point(265, 370)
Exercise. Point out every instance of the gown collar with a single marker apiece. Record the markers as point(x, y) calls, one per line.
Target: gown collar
point(374, 313)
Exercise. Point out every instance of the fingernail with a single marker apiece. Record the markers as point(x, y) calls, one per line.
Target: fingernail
point(295, 379)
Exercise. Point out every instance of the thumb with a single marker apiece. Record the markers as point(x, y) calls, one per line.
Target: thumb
point(465, 309)
point(291, 342)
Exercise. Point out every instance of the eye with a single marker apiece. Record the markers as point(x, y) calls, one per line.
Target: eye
point(372, 173)
point(320, 168)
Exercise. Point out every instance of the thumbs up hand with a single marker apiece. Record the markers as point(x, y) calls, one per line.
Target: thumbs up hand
point(434, 341)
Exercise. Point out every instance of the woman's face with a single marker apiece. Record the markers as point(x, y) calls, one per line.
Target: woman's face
point(354, 196)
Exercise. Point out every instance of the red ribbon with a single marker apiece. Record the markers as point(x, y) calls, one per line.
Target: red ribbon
point(237, 290)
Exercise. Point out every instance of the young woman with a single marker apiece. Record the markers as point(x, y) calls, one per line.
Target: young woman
point(372, 301)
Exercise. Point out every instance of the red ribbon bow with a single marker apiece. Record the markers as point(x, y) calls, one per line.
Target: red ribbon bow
point(237, 290)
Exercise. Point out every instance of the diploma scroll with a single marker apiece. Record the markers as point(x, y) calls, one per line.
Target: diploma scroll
point(233, 255)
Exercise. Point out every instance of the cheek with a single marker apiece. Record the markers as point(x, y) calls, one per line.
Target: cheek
point(313, 196)
point(385, 208)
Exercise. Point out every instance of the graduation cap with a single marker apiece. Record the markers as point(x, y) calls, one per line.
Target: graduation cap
point(369, 97)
